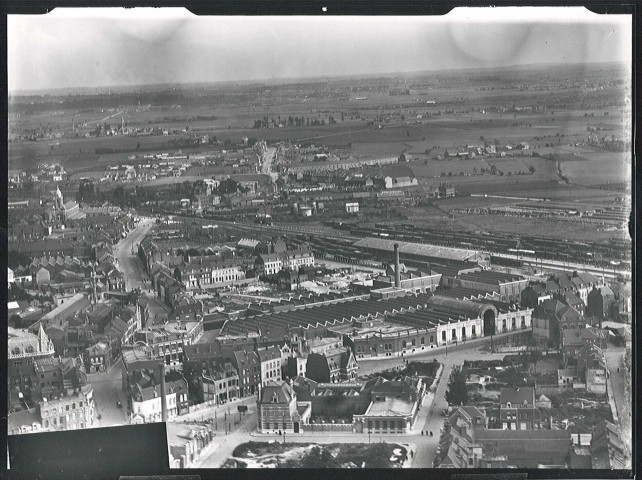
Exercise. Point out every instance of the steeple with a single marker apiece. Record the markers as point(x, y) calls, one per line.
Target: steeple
point(45, 345)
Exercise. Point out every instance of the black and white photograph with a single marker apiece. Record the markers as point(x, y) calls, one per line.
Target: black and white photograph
point(320, 241)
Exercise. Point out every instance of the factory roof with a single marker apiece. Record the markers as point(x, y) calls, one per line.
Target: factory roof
point(419, 249)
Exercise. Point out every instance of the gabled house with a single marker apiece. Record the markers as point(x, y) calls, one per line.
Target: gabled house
point(279, 410)
point(332, 366)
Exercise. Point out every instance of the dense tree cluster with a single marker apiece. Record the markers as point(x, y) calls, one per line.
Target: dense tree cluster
point(457, 392)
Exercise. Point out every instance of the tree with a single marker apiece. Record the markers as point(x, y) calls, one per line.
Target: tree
point(531, 169)
point(15, 320)
point(536, 356)
point(457, 392)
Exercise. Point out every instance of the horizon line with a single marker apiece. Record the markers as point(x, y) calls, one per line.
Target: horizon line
point(33, 91)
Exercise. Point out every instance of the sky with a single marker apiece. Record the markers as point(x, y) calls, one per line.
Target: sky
point(103, 47)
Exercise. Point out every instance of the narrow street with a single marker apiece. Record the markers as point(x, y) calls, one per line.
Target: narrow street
point(132, 267)
point(129, 263)
point(107, 391)
point(614, 361)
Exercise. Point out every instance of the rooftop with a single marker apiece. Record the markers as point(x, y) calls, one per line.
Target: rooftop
point(390, 407)
point(419, 249)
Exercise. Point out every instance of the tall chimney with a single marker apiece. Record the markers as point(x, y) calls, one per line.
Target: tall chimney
point(397, 272)
point(163, 393)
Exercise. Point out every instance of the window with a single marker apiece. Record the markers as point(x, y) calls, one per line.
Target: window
point(454, 333)
point(423, 340)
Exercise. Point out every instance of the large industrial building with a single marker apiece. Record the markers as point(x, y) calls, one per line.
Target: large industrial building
point(413, 253)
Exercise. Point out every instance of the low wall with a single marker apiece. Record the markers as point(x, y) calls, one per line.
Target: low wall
point(556, 389)
point(433, 385)
point(328, 427)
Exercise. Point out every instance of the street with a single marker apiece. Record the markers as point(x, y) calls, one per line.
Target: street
point(132, 267)
point(129, 263)
point(429, 418)
point(107, 391)
point(614, 361)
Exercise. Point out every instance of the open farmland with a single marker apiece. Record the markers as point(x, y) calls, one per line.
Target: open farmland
point(363, 118)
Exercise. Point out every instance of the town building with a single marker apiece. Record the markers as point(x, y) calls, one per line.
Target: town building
point(219, 382)
point(393, 407)
point(468, 443)
point(278, 409)
point(551, 317)
point(414, 280)
point(270, 359)
point(508, 286)
point(273, 263)
point(146, 398)
point(608, 452)
point(574, 339)
point(68, 412)
point(248, 366)
point(24, 349)
point(331, 366)
point(24, 421)
point(517, 410)
point(400, 182)
point(167, 340)
point(205, 273)
point(187, 442)
point(352, 207)
point(419, 252)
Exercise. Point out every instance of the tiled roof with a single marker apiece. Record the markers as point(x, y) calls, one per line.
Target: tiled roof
point(281, 391)
point(517, 395)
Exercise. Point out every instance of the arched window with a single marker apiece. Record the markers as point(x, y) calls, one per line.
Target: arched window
point(443, 335)
point(403, 344)
point(29, 349)
point(463, 331)
point(454, 333)
point(432, 339)
point(16, 351)
point(423, 341)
